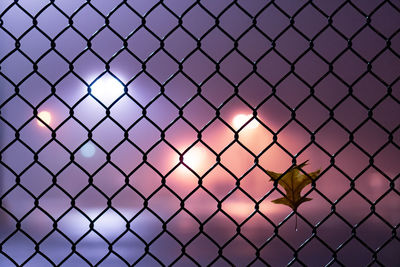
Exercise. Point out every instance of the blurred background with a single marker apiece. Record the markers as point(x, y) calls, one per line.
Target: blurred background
point(132, 129)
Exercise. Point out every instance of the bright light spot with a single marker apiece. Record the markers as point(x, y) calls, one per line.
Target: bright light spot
point(107, 89)
point(241, 119)
point(88, 150)
point(44, 116)
point(196, 159)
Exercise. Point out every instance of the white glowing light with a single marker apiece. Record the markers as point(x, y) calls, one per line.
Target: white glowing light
point(88, 150)
point(44, 116)
point(107, 89)
point(194, 158)
point(241, 119)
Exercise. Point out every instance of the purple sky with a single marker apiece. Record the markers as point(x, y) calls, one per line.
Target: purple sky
point(343, 89)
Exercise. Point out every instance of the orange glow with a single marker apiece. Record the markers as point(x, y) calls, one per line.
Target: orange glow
point(240, 119)
point(242, 208)
point(44, 116)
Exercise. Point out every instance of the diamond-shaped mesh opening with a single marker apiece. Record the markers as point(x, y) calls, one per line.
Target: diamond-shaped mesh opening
point(145, 133)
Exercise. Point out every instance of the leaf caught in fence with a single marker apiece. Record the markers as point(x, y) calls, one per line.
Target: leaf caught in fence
point(293, 181)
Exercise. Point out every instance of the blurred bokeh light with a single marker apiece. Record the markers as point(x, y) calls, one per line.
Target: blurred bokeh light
point(138, 157)
point(45, 116)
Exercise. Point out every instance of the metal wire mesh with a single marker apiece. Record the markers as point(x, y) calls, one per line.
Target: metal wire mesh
point(233, 47)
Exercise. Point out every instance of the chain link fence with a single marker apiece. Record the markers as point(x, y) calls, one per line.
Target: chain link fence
point(141, 132)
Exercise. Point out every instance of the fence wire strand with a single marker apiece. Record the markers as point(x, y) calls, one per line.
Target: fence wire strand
point(144, 62)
